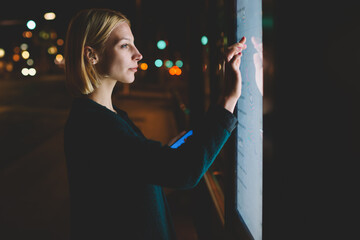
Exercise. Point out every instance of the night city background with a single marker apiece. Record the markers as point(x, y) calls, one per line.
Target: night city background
point(311, 59)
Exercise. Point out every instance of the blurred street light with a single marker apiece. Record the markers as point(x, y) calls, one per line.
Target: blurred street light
point(204, 40)
point(169, 63)
point(25, 54)
point(2, 53)
point(49, 16)
point(175, 70)
point(158, 63)
point(179, 63)
point(161, 44)
point(143, 66)
point(27, 34)
point(31, 25)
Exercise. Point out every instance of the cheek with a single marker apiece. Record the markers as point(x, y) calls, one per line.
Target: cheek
point(112, 63)
point(118, 60)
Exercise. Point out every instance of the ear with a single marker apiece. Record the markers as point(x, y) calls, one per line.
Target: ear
point(90, 55)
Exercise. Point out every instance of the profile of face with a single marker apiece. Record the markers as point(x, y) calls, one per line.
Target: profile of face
point(120, 58)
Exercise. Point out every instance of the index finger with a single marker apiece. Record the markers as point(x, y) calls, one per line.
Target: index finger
point(242, 40)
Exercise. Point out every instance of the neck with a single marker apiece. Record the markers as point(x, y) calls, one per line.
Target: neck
point(102, 94)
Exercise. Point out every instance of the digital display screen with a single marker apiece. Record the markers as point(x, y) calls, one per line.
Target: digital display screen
point(249, 166)
point(181, 140)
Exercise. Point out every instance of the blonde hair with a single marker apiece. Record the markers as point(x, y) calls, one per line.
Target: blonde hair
point(90, 27)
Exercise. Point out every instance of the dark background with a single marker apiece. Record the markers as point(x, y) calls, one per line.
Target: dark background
point(311, 181)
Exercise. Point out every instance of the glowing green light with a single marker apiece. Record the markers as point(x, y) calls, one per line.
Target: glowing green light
point(179, 63)
point(204, 40)
point(169, 63)
point(161, 44)
point(158, 63)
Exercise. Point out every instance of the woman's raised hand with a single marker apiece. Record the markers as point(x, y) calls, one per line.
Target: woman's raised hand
point(232, 87)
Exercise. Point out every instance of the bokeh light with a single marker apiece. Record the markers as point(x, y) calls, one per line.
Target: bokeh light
point(175, 70)
point(59, 58)
point(9, 67)
point(158, 63)
point(169, 63)
point(27, 34)
point(2, 52)
point(30, 62)
point(52, 50)
point(204, 40)
point(31, 25)
point(24, 46)
point(144, 66)
point(32, 71)
point(179, 63)
point(28, 71)
point(25, 54)
point(161, 44)
point(16, 57)
point(60, 42)
point(49, 16)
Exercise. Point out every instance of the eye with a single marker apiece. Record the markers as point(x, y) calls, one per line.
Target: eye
point(124, 45)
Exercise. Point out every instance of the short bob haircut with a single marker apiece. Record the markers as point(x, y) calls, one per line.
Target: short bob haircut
point(90, 27)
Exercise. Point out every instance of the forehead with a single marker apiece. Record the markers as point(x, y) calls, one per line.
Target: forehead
point(120, 32)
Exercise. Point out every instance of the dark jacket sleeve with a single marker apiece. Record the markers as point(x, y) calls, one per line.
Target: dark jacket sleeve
point(149, 161)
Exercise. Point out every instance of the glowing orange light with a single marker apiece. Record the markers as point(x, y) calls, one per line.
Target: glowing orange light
point(178, 71)
point(172, 71)
point(9, 67)
point(16, 57)
point(59, 58)
point(175, 70)
point(143, 66)
point(53, 35)
point(27, 34)
point(16, 49)
point(60, 42)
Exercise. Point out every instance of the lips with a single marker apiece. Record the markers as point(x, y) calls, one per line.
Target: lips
point(134, 69)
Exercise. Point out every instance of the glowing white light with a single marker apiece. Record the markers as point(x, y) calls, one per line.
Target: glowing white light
point(31, 25)
point(24, 46)
point(2, 53)
point(25, 71)
point(25, 54)
point(49, 16)
point(32, 71)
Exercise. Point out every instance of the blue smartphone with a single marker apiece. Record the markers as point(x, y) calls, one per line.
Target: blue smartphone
point(181, 140)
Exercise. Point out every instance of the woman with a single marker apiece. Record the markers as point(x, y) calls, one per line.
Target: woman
point(115, 173)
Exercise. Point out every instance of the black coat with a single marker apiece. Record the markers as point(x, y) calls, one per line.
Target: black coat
point(116, 174)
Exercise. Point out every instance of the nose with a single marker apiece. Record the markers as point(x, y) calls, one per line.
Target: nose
point(137, 55)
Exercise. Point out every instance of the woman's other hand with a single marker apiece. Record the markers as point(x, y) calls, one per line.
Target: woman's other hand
point(232, 87)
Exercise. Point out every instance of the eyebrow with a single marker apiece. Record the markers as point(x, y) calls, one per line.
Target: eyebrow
point(117, 41)
point(125, 38)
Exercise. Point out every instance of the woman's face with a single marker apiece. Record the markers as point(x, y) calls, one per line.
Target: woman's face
point(120, 57)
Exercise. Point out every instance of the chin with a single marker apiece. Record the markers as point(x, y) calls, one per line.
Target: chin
point(126, 80)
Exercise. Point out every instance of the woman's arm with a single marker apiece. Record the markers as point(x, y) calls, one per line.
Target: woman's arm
point(151, 162)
